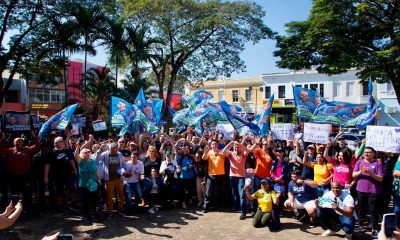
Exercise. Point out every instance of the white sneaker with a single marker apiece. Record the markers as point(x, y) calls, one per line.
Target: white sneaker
point(328, 233)
point(151, 211)
point(348, 236)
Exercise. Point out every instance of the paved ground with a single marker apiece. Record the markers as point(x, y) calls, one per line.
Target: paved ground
point(171, 224)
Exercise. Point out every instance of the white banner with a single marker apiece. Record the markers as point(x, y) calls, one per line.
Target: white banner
point(383, 138)
point(317, 133)
point(282, 131)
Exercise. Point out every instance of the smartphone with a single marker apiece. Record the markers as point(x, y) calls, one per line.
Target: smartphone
point(65, 237)
point(389, 221)
point(14, 199)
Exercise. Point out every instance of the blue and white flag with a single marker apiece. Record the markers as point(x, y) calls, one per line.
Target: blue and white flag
point(232, 111)
point(122, 112)
point(306, 101)
point(264, 118)
point(58, 121)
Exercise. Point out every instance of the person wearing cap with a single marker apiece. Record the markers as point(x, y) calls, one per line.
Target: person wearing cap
point(309, 157)
point(19, 166)
point(61, 167)
point(266, 198)
point(113, 161)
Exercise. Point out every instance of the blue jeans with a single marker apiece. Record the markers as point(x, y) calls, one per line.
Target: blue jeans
point(330, 219)
point(396, 206)
point(129, 189)
point(237, 185)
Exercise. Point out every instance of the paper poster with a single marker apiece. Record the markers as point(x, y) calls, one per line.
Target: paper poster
point(283, 131)
point(383, 138)
point(317, 133)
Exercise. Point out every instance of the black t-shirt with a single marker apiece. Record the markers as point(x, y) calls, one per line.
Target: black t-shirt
point(125, 152)
point(250, 161)
point(148, 165)
point(59, 163)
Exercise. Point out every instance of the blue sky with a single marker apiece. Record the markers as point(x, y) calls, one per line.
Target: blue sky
point(258, 58)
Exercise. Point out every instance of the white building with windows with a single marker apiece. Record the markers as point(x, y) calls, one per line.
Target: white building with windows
point(344, 87)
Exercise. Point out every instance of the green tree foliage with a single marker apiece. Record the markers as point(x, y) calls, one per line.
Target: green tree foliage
point(199, 39)
point(339, 35)
point(98, 89)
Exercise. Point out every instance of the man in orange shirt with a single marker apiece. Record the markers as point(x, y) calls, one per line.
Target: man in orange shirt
point(216, 174)
point(263, 163)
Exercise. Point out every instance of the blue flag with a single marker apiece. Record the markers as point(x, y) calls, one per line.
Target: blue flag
point(231, 112)
point(306, 101)
point(346, 114)
point(264, 118)
point(140, 99)
point(122, 112)
point(58, 121)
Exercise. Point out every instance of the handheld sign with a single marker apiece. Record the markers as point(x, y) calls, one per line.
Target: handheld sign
point(283, 131)
point(317, 133)
point(99, 126)
point(383, 138)
point(17, 121)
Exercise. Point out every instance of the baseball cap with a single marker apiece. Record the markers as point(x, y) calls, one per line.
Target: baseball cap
point(311, 146)
point(266, 180)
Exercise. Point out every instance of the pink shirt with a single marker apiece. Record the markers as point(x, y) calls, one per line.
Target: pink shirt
point(342, 173)
point(237, 168)
point(277, 172)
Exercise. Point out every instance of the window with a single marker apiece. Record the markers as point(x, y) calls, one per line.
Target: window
point(221, 95)
point(261, 89)
point(267, 93)
point(314, 87)
point(299, 85)
point(321, 90)
point(281, 91)
point(350, 89)
point(247, 92)
point(389, 86)
point(305, 85)
point(364, 89)
point(336, 89)
point(235, 95)
point(43, 95)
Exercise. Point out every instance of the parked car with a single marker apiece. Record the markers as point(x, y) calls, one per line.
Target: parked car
point(352, 140)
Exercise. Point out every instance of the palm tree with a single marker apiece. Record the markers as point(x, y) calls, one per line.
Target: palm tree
point(113, 38)
point(89, 21)
point(66, 41)
point(98, 89)
point(139, 48)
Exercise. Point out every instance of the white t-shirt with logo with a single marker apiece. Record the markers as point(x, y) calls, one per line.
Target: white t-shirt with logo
point(343, 201)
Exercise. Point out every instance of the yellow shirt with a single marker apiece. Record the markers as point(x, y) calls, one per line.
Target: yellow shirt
point(321, 172)
point(215, 163)
point(265, 200)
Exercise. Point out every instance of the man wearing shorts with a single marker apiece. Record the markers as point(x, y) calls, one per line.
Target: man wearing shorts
point(302, 195)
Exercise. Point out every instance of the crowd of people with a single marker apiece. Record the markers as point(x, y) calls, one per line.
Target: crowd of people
point(327, 185)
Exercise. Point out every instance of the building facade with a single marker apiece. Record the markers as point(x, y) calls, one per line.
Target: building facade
point(246, 93)
point(389, 113)
point(16, 96)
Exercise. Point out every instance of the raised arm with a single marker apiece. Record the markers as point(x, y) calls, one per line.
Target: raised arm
point(326, 152)
point(76, 153)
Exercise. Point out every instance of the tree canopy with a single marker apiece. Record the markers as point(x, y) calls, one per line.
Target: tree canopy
point(199, 39)
point(340, 35)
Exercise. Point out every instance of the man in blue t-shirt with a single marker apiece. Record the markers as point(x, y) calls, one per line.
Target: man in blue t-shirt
point(302, 194)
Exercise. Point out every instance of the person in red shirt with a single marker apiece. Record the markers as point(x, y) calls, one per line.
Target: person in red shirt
point(19, 167)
